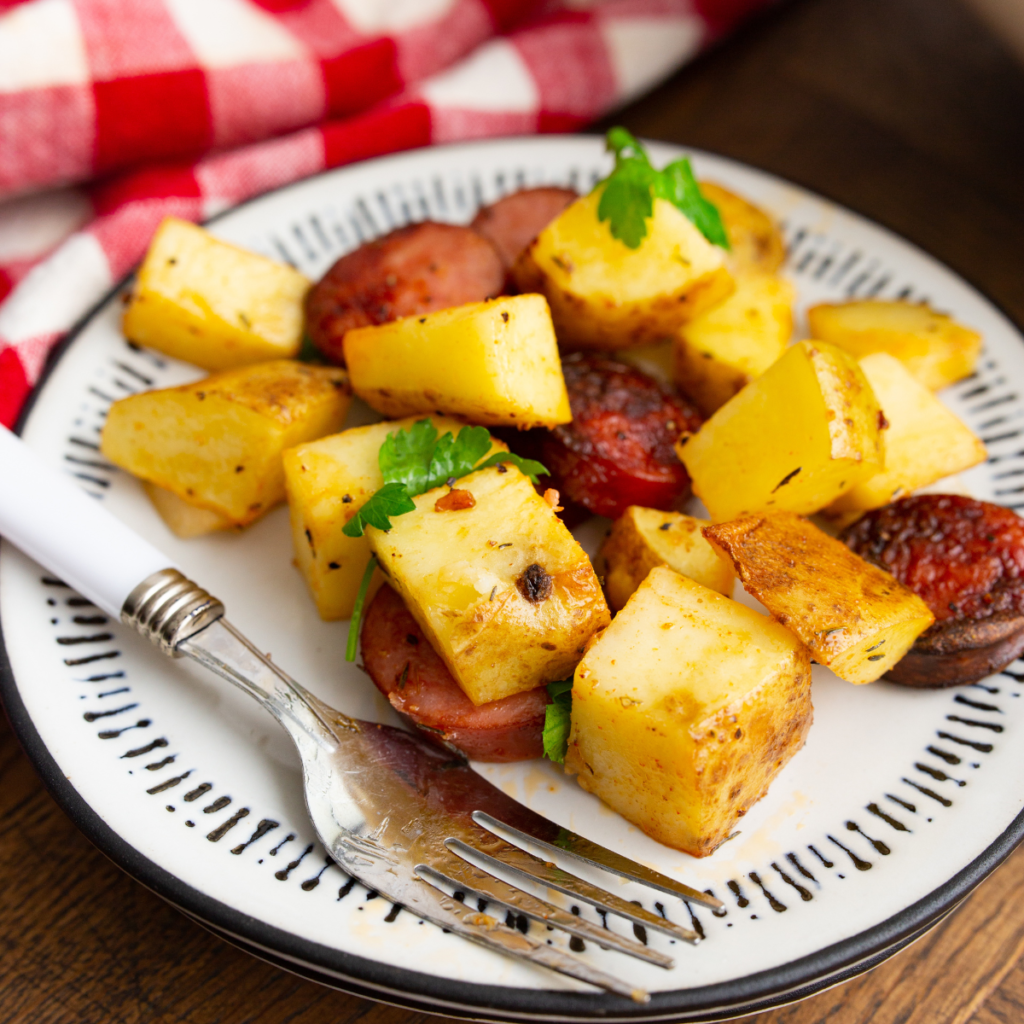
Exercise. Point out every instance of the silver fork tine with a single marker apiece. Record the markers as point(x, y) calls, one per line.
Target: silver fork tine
point(485, 930)
point(462, 874)
point(560, 840)
point(523, 863)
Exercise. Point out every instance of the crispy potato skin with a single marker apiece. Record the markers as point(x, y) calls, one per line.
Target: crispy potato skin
point(643, 538)
point(606, 296)
point(933, 347)
point(852, 616)
point(754, 236)
point(217, 444)
point(212, 304)
point(685, 709)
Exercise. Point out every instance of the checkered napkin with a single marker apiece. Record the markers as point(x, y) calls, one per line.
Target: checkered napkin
point(186, 107)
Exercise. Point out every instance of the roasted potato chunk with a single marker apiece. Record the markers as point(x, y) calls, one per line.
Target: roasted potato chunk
point(685, 709)
point(494, 362)
point(755, 240)
point(853, 617)
point(505, 593)
point(210, 303)
point(642, 538)
point(605, 295)
point(216, 444)
point(924, 443)
point(719, 352)
point(327, 482)
point(184, 520)
point(796, 438)
point(933, 347)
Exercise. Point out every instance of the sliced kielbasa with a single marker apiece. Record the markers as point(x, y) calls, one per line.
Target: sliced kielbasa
point(965, 560)
point(514, 221)
point(618, 449)
point(407, 670)
point(417, 269)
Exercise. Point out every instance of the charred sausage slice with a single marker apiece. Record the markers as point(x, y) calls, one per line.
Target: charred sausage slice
point(965, 560)
point(514, 221)
point(407, 670)
point(618, 449)
point(413, 270)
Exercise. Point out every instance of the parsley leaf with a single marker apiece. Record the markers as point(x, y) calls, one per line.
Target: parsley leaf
point(627, 199)
point(558, 720)
point(528, 467)
point(415, 460)
point(391, 500)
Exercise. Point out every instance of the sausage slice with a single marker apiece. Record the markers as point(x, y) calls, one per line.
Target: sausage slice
point(618, 449)
point(965, 560)
point(417, 269)
point(514, 221)
point(408, 671)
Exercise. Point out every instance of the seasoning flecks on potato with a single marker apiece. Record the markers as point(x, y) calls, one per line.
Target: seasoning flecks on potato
point(605, 295)
point(212, 304)
point(936, 349)
point(642, 538)
point(495, 363)
point(505, 594)
point(796, 438)
point(328, 481)
point(217, 444)
point(685, 709)
point(853, 617)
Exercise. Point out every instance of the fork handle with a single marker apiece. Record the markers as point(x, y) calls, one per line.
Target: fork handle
point(69, 533)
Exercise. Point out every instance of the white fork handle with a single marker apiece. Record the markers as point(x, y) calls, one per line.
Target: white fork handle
point(64, 530)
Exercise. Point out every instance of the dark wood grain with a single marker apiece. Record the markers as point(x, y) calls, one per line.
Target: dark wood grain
point(908, 111)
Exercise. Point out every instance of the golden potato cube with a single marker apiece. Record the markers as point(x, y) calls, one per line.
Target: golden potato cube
point(934, 348)
point(642, 538)
point(685, 709)
point(217, 443)
point(327, 482)
point(854, 617)
point(494, 362)
point(803, 433)
point(605, 295)
point(503, 591)
point(719, 352)
point(184, 520)
point(210, 303)
point(755, 239)
point(924, 443)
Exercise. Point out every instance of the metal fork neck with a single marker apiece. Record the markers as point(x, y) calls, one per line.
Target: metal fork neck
point(167, 608)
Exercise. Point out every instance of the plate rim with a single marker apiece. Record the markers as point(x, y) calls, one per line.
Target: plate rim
point(412, 989)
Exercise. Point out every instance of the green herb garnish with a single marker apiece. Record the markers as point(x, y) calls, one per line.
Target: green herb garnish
point(627, 202)
point(557, 720)
point(357, 610)
point(415, 460)
point(309, 353)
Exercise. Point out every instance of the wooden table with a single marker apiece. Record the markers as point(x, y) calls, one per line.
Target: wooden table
point(906, 110)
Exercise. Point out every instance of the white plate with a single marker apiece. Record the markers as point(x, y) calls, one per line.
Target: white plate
point(899, 804)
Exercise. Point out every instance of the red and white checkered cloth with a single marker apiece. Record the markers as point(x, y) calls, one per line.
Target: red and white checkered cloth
point(186, 107)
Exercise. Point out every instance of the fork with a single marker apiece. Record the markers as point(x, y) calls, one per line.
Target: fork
point(406, 818)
